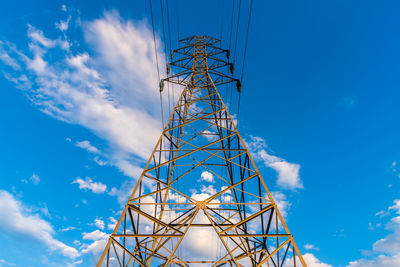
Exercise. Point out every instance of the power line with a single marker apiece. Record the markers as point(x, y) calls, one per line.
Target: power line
point(236, 39)
point(244, 55)
point(237, 31)
point(158, 68)
point(247, 39)
point(169, 28)
point(165, 52)
point(230, 35)
point(222, 19)
point(230, 42)
point(177, 18)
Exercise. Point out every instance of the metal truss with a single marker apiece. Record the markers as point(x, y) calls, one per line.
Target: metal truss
point(200, 200)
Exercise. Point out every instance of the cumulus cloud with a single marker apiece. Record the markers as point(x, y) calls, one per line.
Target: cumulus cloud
point(310, 259)
point(99, 241)
point(207, 176)
point(288, 173)
point(16, 218)
point(95, 235)
point(96, 247)
point(89, 184)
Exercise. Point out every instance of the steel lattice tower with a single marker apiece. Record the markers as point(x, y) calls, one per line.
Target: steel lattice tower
point(173, 210)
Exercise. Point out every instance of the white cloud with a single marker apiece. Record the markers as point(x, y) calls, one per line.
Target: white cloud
point(99, 161)
point(208, 189)
point(310, 260)
point(282, 203)
point(111, 225)
point(35, 179)
point(288, 173)
point(99, 223)
point(63, 25)
point(4, 262)
point(385, 251)
point(99, 242)
point(89, 184)
point(380, 260)
point(74, 88)
point(37, 36)
point(396, 206)
point(16, 218)
point(310, 247)
point(87, 146)
point(207, 176)
point(67, 229)
point(95, 235)
point(96, 247)
point(5, 51)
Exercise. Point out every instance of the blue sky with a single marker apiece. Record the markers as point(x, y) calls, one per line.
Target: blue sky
point(80, 113)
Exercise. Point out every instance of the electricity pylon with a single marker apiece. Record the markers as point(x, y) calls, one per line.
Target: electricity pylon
point(200, 200)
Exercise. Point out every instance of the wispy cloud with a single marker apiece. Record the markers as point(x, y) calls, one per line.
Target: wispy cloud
point(6, 263)
point(288, 173)
point(71, 86)
point(311, 247)
point(385, 251)
point(87, 146)
point(19, 220)
point(35, 179)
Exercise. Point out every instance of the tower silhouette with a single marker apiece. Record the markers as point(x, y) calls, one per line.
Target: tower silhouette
point(200, 200)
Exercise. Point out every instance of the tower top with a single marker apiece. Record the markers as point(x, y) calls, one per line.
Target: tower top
point(199, 38)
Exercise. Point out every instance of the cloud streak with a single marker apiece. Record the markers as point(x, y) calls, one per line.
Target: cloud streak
point(124, 111)
point(16, 218)
point(288, 173)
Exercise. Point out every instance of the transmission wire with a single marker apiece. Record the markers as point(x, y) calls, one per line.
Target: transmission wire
point(222, 19)
point(244, 56)
point(177, 18)
point(230, 42)
point(158, 68)
point(165, 53)
point(234, 55)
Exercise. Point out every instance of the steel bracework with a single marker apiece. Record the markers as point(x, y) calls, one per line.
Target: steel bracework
point(200, 201)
